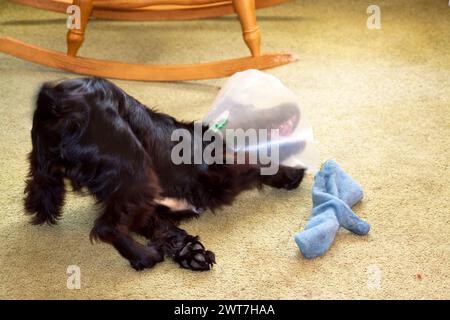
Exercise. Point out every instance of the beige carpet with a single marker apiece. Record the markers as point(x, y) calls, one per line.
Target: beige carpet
point(379, 101)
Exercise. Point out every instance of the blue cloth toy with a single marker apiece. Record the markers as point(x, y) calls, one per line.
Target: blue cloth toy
point(334, 192)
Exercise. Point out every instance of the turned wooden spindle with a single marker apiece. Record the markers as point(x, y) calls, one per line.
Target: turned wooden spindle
point(149, 10)
point(250, 30)
point(75, 37)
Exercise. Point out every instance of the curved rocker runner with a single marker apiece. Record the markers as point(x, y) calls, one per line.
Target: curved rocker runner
point(148, 10)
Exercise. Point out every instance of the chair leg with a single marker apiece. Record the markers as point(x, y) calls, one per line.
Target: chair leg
point(75, 37)
point(250, 30)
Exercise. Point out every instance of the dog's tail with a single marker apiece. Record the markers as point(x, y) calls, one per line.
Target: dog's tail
point(44, 191)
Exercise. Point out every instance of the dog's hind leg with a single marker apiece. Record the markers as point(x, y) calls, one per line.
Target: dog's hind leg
point(44, 196)
point(44, 191)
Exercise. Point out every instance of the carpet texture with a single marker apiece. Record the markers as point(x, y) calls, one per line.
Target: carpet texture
point(379, 102)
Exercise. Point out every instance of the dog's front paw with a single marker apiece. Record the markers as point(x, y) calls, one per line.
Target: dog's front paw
point(194, 256)
point(286, 178)
point(150, 256)
point(294, 177)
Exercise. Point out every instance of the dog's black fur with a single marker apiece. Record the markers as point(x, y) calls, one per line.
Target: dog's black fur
point(92, 133)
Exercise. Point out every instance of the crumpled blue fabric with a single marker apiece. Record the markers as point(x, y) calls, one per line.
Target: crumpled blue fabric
point(334, 192)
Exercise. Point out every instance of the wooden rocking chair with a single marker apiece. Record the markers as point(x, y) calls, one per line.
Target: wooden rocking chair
point(149, 10)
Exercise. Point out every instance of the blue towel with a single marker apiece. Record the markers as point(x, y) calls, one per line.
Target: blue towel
point(334, 193)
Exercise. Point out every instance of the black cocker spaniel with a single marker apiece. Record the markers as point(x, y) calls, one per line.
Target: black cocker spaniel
point(102, 140)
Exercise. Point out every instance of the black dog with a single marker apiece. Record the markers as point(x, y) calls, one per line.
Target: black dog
point(99, 138)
